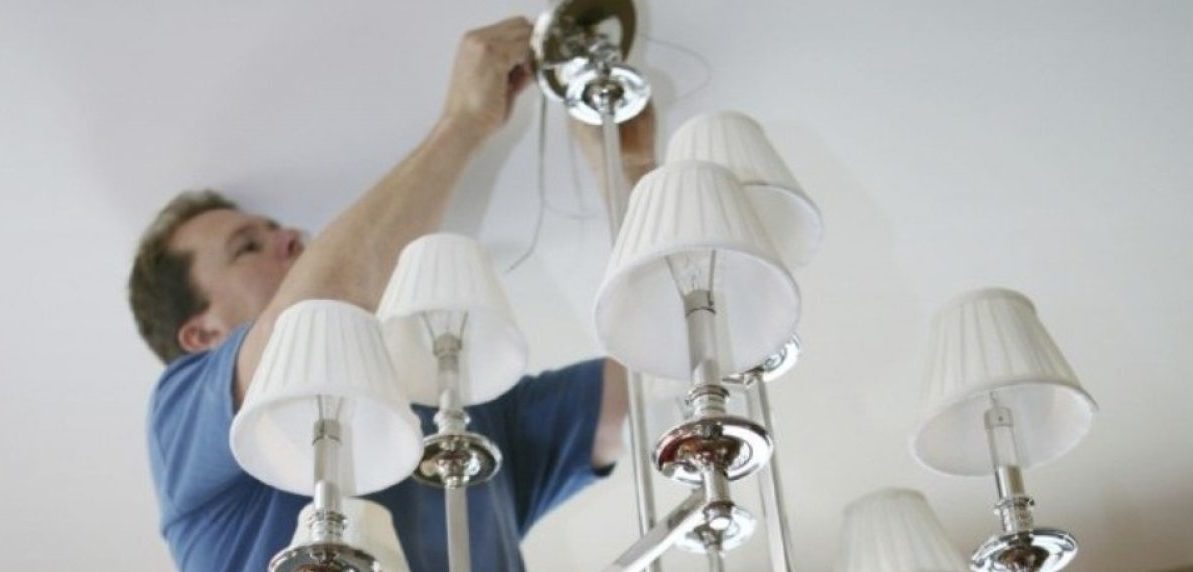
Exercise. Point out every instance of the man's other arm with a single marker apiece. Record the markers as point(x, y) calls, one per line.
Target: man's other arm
point(353, 258)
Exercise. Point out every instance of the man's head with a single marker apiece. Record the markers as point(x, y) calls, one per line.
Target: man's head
point(202, 268)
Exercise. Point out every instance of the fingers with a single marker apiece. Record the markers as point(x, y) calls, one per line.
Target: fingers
point(491, 69)
point(512, 42)
point(504, 45)
point(516, 26)
point(516, 30)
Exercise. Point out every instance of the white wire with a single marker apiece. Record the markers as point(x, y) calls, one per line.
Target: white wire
point(542, 189)
point(700, 59)
point(577, 189)
point(544, 204)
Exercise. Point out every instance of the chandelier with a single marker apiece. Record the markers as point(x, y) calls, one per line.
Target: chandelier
point(699, 287)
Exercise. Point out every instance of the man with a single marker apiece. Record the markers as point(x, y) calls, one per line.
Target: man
point(209, 281)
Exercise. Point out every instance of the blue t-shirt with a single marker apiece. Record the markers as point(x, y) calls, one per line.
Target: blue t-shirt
point(217, 518)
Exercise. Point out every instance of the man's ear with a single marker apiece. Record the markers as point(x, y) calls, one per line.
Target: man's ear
point(200, 333)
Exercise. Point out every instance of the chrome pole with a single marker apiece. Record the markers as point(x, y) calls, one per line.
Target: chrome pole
point(327, 464)
point(770, 483)
point(459, 556)
point(708, 398)
point(1022, 547)
point(716, 562)
point(640, 456)
point(327, 522)
point(616, 200)
point(452, 419)
point(1014, 506)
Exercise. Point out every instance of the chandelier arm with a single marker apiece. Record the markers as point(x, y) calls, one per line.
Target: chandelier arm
point(459, 555)
point(680, 521)
point(716, 561)
point(770, 483)
point(616, 199)
point(640, 457)
point(327, 525)
point(615, 195)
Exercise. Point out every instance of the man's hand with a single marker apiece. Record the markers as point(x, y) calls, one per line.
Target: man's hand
point(492, 67)
point(637, 137)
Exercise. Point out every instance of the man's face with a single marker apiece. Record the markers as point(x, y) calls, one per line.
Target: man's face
point(238, 263)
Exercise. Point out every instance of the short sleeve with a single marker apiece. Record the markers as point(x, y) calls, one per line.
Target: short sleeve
point(190, 415)
point(552, 420)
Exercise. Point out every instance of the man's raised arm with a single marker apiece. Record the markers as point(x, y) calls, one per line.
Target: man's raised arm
point(352, 259)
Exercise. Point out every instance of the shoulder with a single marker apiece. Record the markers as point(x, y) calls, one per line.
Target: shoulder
point(204, 376)
point(190, 414)
point(179, 372)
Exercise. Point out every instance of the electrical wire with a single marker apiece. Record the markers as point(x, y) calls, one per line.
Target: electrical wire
point(577, 190)
point(542, 188)
point(544, 204)
point(705, 65)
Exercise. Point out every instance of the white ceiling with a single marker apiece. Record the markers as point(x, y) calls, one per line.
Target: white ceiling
point(1041, 146)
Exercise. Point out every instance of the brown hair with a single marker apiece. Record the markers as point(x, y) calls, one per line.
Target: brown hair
point(160, 289)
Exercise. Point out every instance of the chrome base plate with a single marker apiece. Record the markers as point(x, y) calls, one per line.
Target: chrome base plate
point(701, 538)
point(457, 459)
point(323, 557)
point(566, 69)
point(1036, 550)
point(735, 444)
point(774, 367)
point(630, 87)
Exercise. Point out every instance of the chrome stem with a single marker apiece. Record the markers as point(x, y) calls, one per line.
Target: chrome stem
point(616, 200)
point(708, 396)
point(640, 457)
point(459, 556)
point(451, 419)
point(1014, 506)
point(327, 522)
point(716, 561)
point(718, 510)
point(770, 483)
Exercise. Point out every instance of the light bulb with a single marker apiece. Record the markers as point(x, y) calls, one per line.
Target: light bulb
point(329, 408)
point(694, 273)
point(693, 270)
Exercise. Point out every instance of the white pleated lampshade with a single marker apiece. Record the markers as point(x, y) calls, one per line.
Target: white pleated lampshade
point(690, 207)
point(991, 343)
point(448, 273)
point(370, 527)
point(894, 530)
point(738, 143)
point(331, 349)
